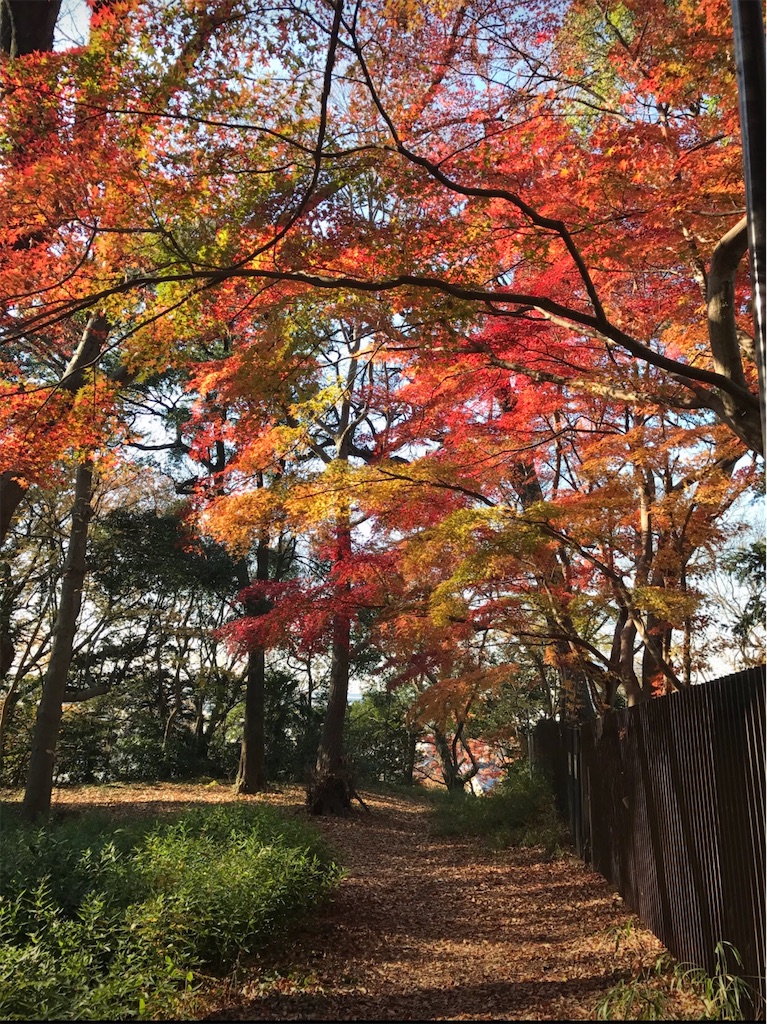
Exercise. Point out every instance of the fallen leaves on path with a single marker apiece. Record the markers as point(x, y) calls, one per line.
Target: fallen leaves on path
point(425, 928)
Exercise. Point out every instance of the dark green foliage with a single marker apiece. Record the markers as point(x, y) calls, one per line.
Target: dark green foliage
point(379, 746)
point(84, 748)
point(293, 725)
point(747, 565)
point(138, 551)
point(119, 737)
point(519, 811)
point(18, 744)
point(99, 923)
point(92, 749)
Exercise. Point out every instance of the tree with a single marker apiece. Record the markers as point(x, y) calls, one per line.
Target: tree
point(37, 797)
point(329, 416)
point(544, 209)
point(747, 620)
point(588, 86)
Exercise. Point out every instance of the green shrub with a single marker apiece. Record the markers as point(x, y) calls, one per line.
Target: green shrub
point(226, 881)
point(88, 968)
point(98, 923)
point(519, 811)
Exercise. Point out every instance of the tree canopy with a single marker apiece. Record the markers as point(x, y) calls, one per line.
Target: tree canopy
point(438, 313)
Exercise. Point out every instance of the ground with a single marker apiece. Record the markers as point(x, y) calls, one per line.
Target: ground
point(422, 927)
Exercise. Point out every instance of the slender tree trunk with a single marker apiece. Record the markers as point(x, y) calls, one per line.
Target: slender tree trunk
point(169, 725)
point(6, 716)
point(37, 799)
point(91, 343)
point(412, 745)
point(251, 774)
point(330, 790)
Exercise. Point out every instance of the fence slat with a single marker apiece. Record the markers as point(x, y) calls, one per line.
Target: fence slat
point(667, 800)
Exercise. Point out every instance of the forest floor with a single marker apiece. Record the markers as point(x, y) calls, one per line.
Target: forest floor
point(423, 927)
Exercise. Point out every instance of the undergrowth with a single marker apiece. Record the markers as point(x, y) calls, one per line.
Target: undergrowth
point(666, 990)
point(518, 811)
point(105, 923)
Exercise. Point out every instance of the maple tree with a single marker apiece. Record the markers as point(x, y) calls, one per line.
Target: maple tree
point(489, 303)
point(313, 431)
point(610, 521)
point(616, 148)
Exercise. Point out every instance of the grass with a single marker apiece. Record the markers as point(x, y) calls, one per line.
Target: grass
point(518, 812)
point(669, 991)
point(106, 923)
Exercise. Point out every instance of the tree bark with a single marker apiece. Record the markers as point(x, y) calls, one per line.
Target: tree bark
point(251, 773)
point(10, 701)
point(27, 26)
point(12, 488)
point(37, 799)
point(723, 335)
point(409, 768)
point(330, 790)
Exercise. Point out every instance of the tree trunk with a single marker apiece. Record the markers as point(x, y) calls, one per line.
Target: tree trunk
point(330, 789)
point(453, 780)
point(6, 716)
point(745, 421)
point(409, 769)
point(11, 489)
point(251, 773)
point(27, 26)
point(37, 799)
point(635, 694)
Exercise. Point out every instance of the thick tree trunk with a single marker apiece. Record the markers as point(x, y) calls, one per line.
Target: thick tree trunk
point(455, 779)
point(330, 788)
point(37, 799)
point(6, 716)
point(744, 420)
point(251, 774)
point(452, 777)
point(27, 26)
point(11, 493)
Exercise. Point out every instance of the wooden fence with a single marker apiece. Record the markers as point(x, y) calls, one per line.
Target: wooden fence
point(667, 801)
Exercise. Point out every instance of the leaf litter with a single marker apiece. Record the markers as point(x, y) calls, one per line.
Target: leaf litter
point(422, 927)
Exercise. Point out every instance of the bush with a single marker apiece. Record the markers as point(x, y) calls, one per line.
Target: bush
point(519, 811)
point(225, 882)
point(105, 924)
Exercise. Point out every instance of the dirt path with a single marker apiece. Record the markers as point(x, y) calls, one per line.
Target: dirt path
point(424, 928)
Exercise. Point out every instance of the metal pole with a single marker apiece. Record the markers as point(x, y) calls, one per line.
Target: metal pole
point(748, 37)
